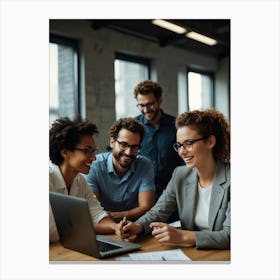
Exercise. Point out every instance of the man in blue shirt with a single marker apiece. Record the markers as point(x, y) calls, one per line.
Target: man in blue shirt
point(160, 133)
point(122, 180)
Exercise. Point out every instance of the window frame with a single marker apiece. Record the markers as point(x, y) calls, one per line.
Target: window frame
point(135, 59)
point(143, 62)
point(61, 40)
point(211, 74)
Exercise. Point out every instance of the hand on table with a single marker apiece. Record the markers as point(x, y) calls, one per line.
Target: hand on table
point(165, 233)
point(126, 229)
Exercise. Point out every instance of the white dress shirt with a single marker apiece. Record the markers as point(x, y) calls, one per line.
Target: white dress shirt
point(78, 188)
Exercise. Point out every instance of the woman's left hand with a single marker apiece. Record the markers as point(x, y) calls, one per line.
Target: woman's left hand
point(165, 233)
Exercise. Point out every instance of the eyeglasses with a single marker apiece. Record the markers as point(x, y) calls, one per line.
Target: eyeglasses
point(187, 144)
point(88, 151)
point(148, 105)
point(125, 146)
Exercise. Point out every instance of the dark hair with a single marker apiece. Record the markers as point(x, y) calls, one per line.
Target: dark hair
point(147, 87)
point(130, 124)
point(209, 122)
point(66, 134)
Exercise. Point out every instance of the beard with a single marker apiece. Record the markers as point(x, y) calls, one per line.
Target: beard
point(154, 114)
point(123, 160)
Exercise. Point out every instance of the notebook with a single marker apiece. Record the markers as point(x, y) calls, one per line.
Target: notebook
point(76, 232)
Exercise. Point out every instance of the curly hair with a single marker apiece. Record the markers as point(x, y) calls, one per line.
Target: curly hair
point(66, 134)
point(130, 124)
point(147, 87)
point(209, 122)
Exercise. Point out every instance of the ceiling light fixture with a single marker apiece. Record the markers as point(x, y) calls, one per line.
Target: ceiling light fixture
point(201, 38)
point(170, 26)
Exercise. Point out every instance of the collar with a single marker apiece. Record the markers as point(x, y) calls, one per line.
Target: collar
point(110, 166)
point(162, 120)
point(219, 179)
point(60, 184)
point(220, 174)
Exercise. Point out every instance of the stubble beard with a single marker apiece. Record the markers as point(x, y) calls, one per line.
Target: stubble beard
point(118, 157)
point(155, 114)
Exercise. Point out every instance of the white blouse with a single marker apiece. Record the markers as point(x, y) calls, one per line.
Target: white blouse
point(78, 188)
point(202, 207)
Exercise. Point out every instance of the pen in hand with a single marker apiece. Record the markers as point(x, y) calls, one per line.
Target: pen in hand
point(124, 220)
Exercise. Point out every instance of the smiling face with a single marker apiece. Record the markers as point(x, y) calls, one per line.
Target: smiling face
point(77, 161)
point(123, 158)
point(149, 106)
point(200, 151)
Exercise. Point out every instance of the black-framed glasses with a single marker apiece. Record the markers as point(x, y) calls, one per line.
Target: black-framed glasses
point(187, 144)
point(125, 146)
point(87, 150)
point(148, 105)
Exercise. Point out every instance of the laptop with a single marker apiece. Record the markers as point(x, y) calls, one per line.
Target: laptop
point(76, 231)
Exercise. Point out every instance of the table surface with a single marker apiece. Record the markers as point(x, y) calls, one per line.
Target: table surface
point(148, 244)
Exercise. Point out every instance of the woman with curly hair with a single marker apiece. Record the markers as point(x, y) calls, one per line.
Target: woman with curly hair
point(200, 190)
point(72, 151)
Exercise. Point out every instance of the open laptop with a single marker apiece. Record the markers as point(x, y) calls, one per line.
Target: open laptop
point(76, 231)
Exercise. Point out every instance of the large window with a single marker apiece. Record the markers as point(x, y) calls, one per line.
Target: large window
point(200, 90)
point(129, 71)
point(64, 96)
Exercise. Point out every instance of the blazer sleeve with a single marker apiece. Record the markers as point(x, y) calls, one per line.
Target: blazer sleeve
point(164, 207)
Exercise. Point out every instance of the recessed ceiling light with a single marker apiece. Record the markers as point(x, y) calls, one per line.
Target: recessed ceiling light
point(170, 26)
point(201, 38)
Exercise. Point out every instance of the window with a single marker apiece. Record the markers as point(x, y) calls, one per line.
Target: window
point(200, 90)
point(63, 100)
point(129, 71)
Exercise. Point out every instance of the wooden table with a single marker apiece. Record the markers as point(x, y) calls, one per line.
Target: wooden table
point(148, 244)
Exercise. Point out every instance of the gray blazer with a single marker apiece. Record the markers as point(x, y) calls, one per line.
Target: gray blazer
point(181, 193)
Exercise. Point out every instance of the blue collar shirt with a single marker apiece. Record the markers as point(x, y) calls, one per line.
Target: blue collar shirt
point(120, 193)
point(157, 145)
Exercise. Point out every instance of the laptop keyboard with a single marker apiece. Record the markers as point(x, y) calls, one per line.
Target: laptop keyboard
point(104, 247)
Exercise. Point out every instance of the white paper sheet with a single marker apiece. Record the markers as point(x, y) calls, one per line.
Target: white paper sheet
point(166, 255)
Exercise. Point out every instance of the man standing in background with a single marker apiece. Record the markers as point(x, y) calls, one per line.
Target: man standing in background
point(160, 133)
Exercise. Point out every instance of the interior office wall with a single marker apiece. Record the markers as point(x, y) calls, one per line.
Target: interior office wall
point(222, 87)
point(97, 51)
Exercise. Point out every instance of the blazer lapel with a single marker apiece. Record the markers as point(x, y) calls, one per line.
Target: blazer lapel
point(217, 194)
point(191, 195)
